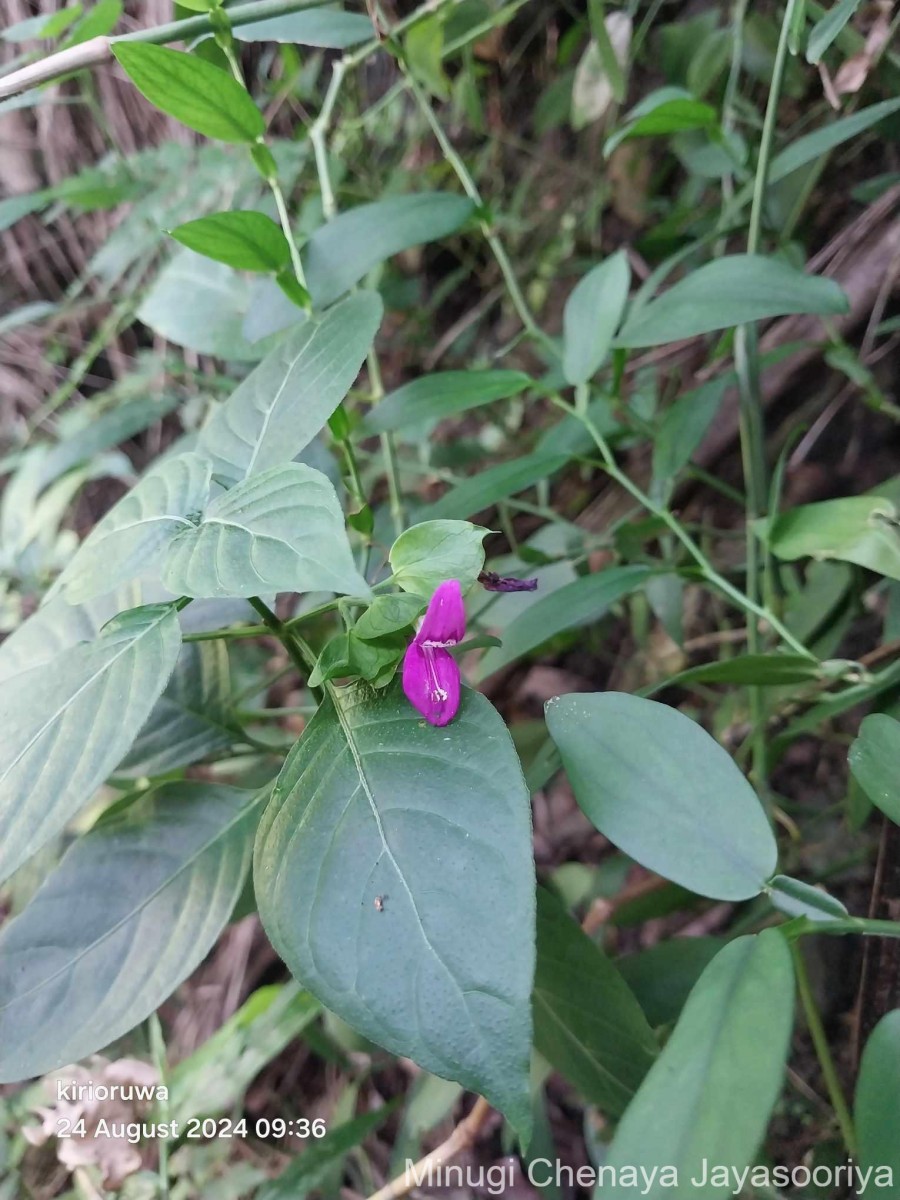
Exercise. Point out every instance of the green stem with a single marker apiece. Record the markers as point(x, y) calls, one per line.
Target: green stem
point(752, 430)
point(298, 650)
point(469, 186)
point(823, 1052)
point(240, 14)
point(710, 574)
point(98, 50)
point(388, 450)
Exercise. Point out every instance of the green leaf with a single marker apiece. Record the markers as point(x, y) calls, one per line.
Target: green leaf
point(329, 28)
point(708, 1097)
point(877, 1098)
point(423, 49)
point(813, 145)
point(344, 250)
point(248, 241)
point(874, 760)
point(827, 28)
point(215, 1077)
point(426, 554)
point(191, 719)
point(434, 397)
point(581, 602)
point(388, 614)
point(437, 823)
point(798, 899)
point(311, 1167)
point(287, 399)
point(592, 315)
point(663, 976)
point(134, 534)
point(193, 91)
point(481, 491)
point(587, 1024)
point(762, 670)
point(732, 290)
point(132, 909)
point(605, 30)
point(667, 110)
point(661, 789)
point(200, 304)
point(859, 529)
point(278, 531)
point(68, 723)
point(681, 430)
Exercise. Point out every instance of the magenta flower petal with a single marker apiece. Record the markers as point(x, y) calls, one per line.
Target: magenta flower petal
point(431, 682)
point(444, 623)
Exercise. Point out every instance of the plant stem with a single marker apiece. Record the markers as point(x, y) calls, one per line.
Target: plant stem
point(298, 650)
point(752, 431)
point(823, 1052)
point(710, 574)
point(388, 450)
point(469, 186)
point(284, 218)
point(99, 49)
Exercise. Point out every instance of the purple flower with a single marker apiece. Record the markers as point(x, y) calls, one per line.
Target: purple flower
point(430, 674)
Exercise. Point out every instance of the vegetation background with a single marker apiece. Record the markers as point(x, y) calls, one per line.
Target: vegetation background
point(529, 98)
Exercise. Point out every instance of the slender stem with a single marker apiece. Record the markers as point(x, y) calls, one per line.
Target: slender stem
point(823, 1052)
point(215, 635)
point(388, 450)
point(469, 186)
point(99, 49)
point(461, 1139)
point(752, 431)
point(706, 568)
point(298, 650)
point(158, 1051)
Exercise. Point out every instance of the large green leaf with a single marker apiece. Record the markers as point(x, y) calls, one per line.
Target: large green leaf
point(433, 397)
point(200, 304)
point(331, 29)
point(278, 531)
point(708, 1097)
point(663, 977)
point(191, 719)
point(249, 241)
point(581, 602)
point(657, 785)
point(134, 534)
point(496, 483)
point(592, 315)
point(374, 802)
point(875, 762)
point(132, 908)
point(426, 554)
point(57, 625)
point(286, 400)
point(587, 1023)
point(859, 529)
point(342, 251)
point(876, 1101)
point(68, 723)
point(193, 91)
point(732, 290)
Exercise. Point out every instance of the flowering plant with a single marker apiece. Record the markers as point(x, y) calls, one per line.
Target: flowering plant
point(240, 695)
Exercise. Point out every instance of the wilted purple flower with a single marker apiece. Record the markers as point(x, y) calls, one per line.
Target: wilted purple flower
point(492, 582)
point(430, 673)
